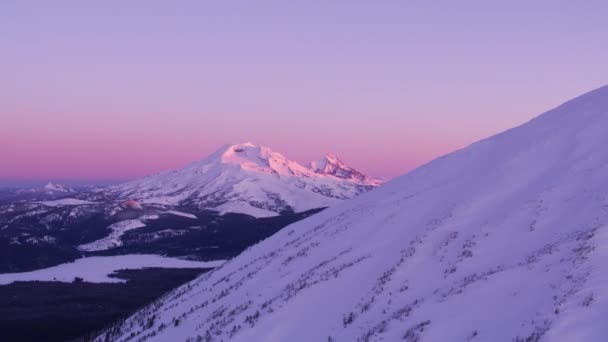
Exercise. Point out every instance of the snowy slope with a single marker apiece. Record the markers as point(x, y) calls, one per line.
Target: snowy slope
point(332, 165)
point(249, 179)
point(504, 240)
point(112, 240)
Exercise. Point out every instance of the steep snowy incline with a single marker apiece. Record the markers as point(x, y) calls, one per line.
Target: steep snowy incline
point(332, 165)
point(504, 240)
point(249, 179)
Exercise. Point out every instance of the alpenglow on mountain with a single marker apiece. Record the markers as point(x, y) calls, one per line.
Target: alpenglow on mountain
point(250, 179)
point(504, 240)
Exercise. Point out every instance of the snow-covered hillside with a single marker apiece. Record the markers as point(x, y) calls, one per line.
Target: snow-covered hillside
point(504, 240)
point(113, 240)
point(250, 179)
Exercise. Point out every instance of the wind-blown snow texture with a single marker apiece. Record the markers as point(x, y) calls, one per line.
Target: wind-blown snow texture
point(504, 240)
point(250, 179)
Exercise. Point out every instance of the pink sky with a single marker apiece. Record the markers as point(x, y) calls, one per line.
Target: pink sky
point(119, 90)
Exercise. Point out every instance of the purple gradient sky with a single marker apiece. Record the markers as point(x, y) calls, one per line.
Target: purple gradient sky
point(119, 89)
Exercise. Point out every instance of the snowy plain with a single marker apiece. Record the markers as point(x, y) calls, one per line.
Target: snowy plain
point(65, 201)
point(97, 269)
point(181, 213)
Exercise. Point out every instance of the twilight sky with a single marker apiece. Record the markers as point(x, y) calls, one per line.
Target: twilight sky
point(119, 89)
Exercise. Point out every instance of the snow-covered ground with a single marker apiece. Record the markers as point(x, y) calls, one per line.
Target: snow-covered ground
point(181, 213)
point(112, 240)
point(97, 269)
point(504, 240)
point(250, 179)
point(65, 201)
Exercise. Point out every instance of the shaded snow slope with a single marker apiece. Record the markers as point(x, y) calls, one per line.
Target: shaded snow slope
point(504, 240)
point(249, 179)
point(332, 165)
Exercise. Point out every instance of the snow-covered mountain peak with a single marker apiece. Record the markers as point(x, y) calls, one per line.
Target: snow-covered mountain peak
point(255, 158)
point(52, 187)
point(330, 164)
point(251, 179)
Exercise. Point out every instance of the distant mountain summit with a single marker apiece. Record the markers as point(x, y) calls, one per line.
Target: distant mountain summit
point(52, 187)
point(332, 166)
point(250, 179)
